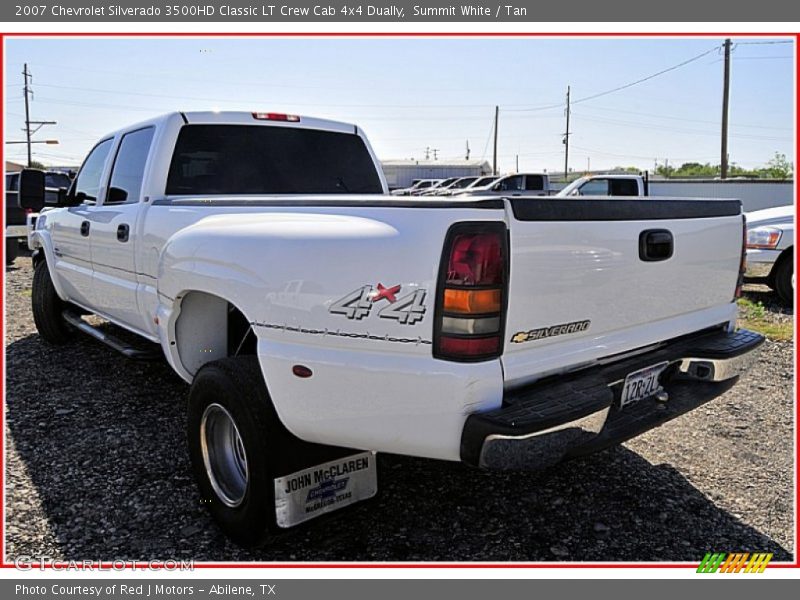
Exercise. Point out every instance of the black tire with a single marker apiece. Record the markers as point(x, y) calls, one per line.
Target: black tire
point(12, 247)
point(782, 277)
point(48, 308)
point(237, 386)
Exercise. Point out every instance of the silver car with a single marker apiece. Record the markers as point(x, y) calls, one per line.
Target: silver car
point(770, 250)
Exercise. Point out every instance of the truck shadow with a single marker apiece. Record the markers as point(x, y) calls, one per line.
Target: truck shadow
point(102, 440)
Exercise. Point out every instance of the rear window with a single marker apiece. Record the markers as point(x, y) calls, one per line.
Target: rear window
point(253, 159)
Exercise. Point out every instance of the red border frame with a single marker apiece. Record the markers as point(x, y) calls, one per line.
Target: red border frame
point(388, 565)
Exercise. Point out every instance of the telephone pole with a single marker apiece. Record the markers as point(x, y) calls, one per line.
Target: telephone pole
point(28, 93)
point(26, 90)
point(467, 150)
point(725, 97)
point(566, 142)
point(496, 119)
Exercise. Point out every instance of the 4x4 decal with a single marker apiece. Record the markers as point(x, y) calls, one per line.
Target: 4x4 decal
point(407, 310)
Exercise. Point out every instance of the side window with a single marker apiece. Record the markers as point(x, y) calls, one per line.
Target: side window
point(12, 182)
point(595, 187)
point(87, 183)
point(534, 183)
point(511, 184)
point(128, 170)
point(624, 187)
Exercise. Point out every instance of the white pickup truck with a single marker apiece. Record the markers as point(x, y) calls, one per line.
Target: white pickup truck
point(320, 320)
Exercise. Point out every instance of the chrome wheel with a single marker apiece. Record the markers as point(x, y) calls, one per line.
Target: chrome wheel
point(223, 454)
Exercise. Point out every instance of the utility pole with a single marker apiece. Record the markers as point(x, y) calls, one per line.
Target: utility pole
point(26, 90)
point(427, 153)
point(28, 93)
point(435, 153)
point(566, 142)
point(467, 150)
point(725, 97)
point(496, 119)
point(517, 170)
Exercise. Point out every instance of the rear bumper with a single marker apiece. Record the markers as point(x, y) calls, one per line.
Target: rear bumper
point(541, 424)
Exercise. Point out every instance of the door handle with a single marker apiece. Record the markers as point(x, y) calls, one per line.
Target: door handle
point(655, 245)
point(123, 232)
point(85, 228)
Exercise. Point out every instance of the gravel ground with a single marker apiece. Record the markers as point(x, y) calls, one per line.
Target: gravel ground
point(96, 467)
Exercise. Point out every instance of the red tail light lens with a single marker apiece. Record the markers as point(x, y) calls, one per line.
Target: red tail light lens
point(471, 295)
point(476, 259)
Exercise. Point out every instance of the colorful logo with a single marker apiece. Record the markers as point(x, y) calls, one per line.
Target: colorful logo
point(720, 562)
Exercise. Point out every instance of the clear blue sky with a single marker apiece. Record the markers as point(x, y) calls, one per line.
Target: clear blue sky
point(410, 93)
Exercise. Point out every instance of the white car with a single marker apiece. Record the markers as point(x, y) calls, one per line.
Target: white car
point(319, 320)
point(770, 250)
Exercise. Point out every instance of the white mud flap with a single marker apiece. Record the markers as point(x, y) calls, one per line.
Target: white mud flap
point(324, 488)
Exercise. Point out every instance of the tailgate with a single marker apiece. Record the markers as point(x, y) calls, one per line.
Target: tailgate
point(581, 288)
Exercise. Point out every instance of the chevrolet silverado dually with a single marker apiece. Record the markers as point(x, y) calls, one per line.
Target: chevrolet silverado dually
point(320, 320)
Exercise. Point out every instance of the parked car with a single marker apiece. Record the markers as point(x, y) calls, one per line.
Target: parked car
point(394, 324)
point(517, 184)
point(770, 250)
point(17, 218)
point(615, 184)
point(420, 185)
point(436, 187)
point(457, 186)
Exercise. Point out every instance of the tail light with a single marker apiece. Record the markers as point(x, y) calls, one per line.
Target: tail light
point(471, 293)
point(742, 261)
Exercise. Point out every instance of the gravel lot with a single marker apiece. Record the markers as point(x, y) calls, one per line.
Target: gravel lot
point(96, 467)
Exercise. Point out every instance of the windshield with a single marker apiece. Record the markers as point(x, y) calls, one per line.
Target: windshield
point(255, 159)
point(464, 182)
point(484, 181)
point(57, 180)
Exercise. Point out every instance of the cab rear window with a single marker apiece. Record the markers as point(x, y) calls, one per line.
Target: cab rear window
point(253, 159)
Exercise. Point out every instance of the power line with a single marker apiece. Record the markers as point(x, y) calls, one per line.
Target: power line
point(648, 78)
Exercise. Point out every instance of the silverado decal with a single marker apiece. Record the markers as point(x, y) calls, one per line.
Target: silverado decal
point(546, 332)
point(407, 310)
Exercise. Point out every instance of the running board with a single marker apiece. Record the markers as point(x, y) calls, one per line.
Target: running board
point(114, 342)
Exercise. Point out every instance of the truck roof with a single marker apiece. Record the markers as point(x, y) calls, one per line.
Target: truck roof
point(211, 117)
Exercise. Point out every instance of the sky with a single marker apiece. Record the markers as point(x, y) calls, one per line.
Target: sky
point(410, 94)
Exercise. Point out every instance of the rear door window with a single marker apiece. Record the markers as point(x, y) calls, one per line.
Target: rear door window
point(624, 187)
point(534, 183)
point(128, 170)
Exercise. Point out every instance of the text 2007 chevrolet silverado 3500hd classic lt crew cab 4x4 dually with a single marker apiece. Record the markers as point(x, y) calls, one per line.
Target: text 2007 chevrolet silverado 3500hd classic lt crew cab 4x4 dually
point(320, 320)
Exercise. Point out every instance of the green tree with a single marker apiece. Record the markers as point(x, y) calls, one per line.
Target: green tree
point(779, 167)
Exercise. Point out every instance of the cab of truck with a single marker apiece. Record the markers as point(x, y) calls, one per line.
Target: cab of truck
point(606, 185)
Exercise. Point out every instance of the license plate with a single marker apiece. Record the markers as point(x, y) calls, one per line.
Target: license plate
point(641, 384)
point(324, 488)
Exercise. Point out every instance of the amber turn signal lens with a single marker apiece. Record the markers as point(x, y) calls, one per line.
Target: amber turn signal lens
point(472, 301)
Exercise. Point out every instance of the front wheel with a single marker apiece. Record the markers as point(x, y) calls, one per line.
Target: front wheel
point(784, 281)
point(48, 308)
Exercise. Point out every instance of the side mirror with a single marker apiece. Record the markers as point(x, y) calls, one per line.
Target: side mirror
point(31, 189)
point(116, 194)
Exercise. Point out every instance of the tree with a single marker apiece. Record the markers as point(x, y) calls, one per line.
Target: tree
point(35, 164)
point(778, 167)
